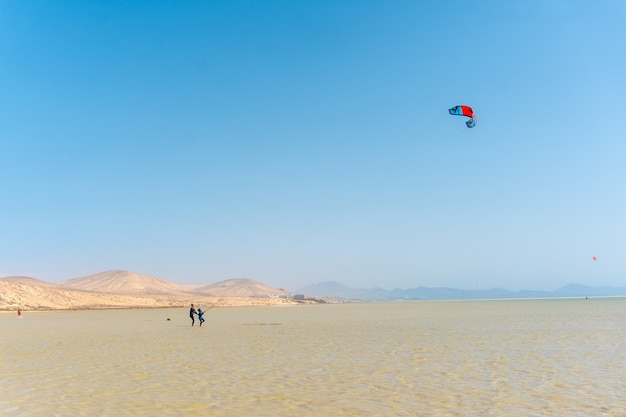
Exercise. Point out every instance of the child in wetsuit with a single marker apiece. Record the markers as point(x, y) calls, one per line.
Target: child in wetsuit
point(200, 313)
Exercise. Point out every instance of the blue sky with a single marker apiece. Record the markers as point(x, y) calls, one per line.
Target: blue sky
point(295, 142)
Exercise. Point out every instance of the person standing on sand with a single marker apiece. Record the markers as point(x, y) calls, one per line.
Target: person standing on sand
point(200, 313)
point(192, 311)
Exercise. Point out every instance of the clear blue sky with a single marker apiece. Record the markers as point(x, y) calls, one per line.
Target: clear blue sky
point(295, 142)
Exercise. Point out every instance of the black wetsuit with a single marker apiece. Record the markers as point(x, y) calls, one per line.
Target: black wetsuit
point(192, 311)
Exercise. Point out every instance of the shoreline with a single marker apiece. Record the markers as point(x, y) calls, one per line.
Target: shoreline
point(227, 302)
point(147, 303)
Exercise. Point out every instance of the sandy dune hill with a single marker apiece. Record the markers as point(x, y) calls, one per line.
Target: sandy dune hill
point(240, 288)
point(117, 281)
point(26, 280)
point(43, 296)
point(122, 289)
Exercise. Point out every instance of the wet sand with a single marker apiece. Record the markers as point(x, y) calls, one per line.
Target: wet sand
point(473, 358)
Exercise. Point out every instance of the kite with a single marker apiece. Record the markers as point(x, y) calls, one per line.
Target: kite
point(464, 111)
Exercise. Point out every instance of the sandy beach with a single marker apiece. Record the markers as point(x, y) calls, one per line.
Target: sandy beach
point(522, 358)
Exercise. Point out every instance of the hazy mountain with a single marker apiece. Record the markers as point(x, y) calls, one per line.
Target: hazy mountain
point(578, 290)
point(339, 290)
point(239, 288)
point(117, 281)
point(336, 289)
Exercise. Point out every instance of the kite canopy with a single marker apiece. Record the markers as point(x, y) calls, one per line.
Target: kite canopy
point(464, 111)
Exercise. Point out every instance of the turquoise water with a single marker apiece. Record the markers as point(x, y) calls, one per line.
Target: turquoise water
point(442, 358)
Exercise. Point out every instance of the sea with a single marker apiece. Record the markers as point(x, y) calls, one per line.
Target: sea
point(547, 357)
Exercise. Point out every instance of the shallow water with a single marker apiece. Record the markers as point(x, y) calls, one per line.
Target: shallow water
point(443, 358)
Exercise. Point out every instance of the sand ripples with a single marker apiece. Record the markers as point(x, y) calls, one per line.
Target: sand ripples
point(516, 358)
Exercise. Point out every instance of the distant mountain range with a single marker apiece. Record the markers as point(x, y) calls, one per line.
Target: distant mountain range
point(336, 289)
point(124, 289)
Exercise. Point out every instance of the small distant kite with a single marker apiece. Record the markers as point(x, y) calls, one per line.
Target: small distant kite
point(595, 258)
point(464, 111)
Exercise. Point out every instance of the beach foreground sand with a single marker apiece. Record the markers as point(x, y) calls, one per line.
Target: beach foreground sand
point(522, 358)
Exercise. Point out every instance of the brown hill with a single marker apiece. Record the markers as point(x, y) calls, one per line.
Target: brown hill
point(33, 296)
point(39, 295)
point(240, 288)
point(122, 289)
point(116, 281)
point(25, 280)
